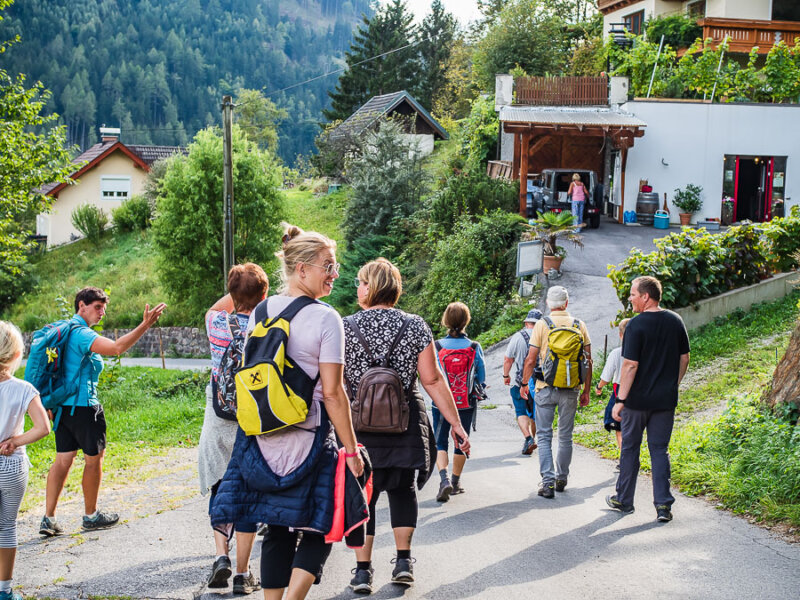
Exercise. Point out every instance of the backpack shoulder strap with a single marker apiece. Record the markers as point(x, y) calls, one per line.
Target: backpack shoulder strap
point(295, 307)
point(474, 346)
point(360, 336)
point(403, 327)
point(549, 322)
point(526, 335)
point(438, 346)
point(233, 325)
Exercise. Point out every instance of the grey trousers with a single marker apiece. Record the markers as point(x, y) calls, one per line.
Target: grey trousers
point(658, 424)
point(546, 400)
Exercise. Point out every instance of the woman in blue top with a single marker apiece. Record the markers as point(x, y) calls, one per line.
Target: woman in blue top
point(456, 317)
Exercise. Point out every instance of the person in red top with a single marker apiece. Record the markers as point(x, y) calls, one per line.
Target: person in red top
point(577, 192)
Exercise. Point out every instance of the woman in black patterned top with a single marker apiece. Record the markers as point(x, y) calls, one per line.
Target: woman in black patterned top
point(397, 458)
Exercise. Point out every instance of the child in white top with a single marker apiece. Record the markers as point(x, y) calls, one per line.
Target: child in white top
point(16, 398)
point(611, 373)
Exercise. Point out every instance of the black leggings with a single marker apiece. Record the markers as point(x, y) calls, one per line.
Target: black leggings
point(399, 485)
point(280, 553)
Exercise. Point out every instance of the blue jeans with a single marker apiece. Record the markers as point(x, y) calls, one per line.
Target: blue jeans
point(546, 401)
point(577, 212)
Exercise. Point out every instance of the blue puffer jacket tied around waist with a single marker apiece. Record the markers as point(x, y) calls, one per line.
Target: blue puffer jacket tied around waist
point(251, 492)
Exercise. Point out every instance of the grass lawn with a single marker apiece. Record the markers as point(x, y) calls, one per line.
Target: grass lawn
point(148, 412)
point(725, 445)
point(317, 213)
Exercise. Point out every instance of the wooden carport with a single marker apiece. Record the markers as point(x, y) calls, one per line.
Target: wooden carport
point(533, 127)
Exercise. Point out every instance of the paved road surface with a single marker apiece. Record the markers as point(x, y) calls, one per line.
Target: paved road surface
point(498, 540)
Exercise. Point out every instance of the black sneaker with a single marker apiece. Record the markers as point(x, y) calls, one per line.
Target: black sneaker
point(361, 583)
point(458, 489)
point(561, 484)
point(244, 584)
point(663, 513)
point(546, 490)
point(445, 489)
point(50, 527)
point(102, 520)
point(220, 572)
point(403, 570)
point(625, 509)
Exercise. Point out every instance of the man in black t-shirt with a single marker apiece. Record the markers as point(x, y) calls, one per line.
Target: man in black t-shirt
point(655, 353)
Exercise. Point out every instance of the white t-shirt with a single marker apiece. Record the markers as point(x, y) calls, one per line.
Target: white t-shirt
point(613, 367)
point(15, 397)
point(316, 335)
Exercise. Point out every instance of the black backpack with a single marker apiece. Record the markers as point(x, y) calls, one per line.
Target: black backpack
point(379, 404)
point(224, 392)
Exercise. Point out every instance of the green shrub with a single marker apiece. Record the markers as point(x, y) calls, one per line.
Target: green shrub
point(694, 264)
point(679, 30)
point(470, 193)
point(688, 199)
point(474, 265)
point(133, 214)
point(91, 221)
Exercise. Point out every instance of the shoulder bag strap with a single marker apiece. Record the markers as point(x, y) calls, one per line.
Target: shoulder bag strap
point(360, 336)
point(549, 322)
point(403, 327)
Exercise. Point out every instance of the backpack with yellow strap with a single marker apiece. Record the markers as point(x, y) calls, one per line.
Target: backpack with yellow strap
point(272, 391)
point(564, 365)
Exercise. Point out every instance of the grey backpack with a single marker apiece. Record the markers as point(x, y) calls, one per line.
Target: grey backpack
point(379, 403)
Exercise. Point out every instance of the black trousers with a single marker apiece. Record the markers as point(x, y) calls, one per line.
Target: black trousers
point(280, 553)
point(658, 425)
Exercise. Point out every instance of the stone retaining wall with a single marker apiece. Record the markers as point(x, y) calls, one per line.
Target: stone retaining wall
point(707, 310)
point(176, 341)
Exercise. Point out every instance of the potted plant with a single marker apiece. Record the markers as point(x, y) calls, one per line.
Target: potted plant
point(727, 210)
point(548, 227)
point(687, 200)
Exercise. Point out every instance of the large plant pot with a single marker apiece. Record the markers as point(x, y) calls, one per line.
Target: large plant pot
point(727, 213)
point(685, 218)
point(552, 262)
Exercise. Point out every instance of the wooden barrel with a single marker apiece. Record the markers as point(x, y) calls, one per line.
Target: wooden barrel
point(646, 207)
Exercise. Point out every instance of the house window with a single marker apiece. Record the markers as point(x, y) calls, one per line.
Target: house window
point(115, 187)
point(634, 22)
point(696, 10)
point(785, 10)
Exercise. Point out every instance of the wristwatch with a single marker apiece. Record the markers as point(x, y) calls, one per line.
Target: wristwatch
point(621, 400)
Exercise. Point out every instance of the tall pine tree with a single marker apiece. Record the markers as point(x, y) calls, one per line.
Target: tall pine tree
point(367, 76)
point(436, 42)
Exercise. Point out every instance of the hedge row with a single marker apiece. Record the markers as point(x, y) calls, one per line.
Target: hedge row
point(695, 264)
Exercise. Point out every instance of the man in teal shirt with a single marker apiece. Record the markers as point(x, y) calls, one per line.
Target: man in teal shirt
point(80, 422)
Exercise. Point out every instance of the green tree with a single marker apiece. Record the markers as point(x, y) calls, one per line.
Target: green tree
point(436, 42)
point(370, 71)
point(259, 118)
point(528, 33)
point(782, 72)
point(188, 228)
point(387, 182)
point(455, 97)
point(32, 153)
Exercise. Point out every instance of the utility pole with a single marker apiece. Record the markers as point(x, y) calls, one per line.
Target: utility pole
point(227, 191)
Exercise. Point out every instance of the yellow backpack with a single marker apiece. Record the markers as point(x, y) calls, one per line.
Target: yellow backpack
point(564, 365)
point(272, 391)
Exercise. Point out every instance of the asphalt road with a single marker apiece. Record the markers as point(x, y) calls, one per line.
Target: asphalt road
point(498, 540)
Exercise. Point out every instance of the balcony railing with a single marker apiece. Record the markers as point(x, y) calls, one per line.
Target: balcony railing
point(743, 34)
point(561, 91)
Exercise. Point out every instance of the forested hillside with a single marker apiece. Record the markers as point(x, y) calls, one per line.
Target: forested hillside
point(158, 68)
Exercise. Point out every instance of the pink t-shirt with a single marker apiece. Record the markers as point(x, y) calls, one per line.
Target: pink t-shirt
point(578, 192)
point(316, 336)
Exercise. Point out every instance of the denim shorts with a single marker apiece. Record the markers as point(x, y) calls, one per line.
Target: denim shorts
point(441, 427)
point(520, 404)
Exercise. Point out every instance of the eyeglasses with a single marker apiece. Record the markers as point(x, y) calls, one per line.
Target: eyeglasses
point(357, 282)
point(330, 268)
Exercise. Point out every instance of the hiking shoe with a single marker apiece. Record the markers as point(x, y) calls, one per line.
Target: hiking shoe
point(445, 489)
point(663, 513)
point(561, 484)
point(102, 520)
point(625, 509)
point(458, 488)
point(361, 583)
point(220, 572)
point(10, 596)
point(528, 446)
point(49, 527)
point(244, 584)
point(546, 490)
point(616, 467)
point(403, 570)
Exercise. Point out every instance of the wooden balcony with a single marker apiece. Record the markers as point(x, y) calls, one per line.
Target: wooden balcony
point(561, 91)
point(743, 34)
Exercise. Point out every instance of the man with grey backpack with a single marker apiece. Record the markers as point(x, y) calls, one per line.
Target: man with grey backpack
point(565, 376)
point(513, 364)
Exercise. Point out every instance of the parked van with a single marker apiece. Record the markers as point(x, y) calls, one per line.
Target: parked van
point(549, 192)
